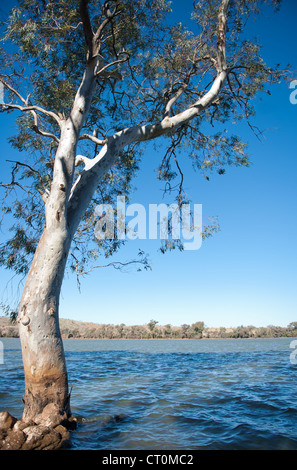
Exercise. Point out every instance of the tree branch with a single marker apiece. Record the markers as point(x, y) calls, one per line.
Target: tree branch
point(83, 189)
point(93, 139)
point(45, 134)
point(221, 49)
point(93, 39)
point(89, 34)
point(15, 183)
point(81, 159)
point(109, 15)
point(219, 63)
point(119, 265)
point(173, 100)
point(113, 74)
point(6, 106)
point(27, 107)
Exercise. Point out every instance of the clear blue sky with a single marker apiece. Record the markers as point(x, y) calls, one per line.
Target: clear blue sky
point(246, 273)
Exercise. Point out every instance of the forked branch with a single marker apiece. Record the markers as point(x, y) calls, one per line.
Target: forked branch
point(83, 189)
point(27, 106)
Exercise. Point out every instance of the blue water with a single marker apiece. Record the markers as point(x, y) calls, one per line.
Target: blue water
point(173, 394)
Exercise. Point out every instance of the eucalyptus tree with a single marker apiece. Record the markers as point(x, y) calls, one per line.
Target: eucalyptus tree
point(92, 82)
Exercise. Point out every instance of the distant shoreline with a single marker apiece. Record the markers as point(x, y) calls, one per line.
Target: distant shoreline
point(175, 339)
point(87, 330)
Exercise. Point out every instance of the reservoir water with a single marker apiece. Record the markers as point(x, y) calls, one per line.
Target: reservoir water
point(232, 394)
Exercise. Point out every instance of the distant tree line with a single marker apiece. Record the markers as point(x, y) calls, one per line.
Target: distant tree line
point(270, 331)
point(152, 330)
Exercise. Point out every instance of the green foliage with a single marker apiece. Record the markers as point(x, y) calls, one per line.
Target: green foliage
point(44, 54)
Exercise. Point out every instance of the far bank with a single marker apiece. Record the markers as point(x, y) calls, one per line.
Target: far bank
point(152, 330)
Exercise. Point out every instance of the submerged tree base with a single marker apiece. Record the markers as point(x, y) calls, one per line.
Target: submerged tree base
point(20, 435)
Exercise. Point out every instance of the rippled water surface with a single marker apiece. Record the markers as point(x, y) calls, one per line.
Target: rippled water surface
point(173, 394)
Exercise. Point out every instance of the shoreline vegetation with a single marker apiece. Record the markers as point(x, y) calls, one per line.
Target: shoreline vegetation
point(152, 330)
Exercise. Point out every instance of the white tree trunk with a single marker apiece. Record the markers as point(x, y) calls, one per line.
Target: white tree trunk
point(46, 397)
